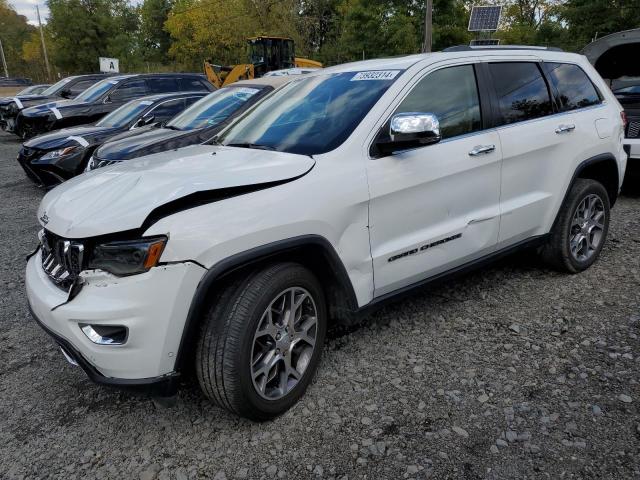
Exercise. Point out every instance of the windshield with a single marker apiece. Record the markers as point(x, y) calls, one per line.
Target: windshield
point(27, 90)
point(213, 109)
point(96, 90)
point(311, 115)
point(53, 89)
point(125, 114)
point(632, 89)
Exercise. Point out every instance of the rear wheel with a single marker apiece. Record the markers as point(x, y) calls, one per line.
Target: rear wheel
point(579, 233)
point(261, 342)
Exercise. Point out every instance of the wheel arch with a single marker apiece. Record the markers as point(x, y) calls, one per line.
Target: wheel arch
point(312, 251)
point(604, 169)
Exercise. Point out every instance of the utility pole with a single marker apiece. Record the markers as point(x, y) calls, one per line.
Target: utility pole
point(44, 48)
point(428, 27)
point(4, 60)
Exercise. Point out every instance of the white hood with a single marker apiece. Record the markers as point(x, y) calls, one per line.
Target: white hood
point(120, 197)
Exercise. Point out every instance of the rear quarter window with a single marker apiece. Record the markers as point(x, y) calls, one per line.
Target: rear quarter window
point(193, 85)
point(574, 88)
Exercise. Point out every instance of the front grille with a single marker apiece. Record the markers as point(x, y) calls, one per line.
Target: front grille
point(61, 258)
point(633, 130)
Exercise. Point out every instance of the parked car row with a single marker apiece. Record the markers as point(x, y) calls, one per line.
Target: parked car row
point(140, 127)
point(68, 87)
point(264, 212)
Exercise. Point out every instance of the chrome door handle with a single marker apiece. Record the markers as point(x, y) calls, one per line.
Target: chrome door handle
point(565, 128)
point(481, 150)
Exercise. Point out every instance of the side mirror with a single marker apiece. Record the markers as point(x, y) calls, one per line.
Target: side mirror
point(411, 130)
point(146, 120)
point(107, 99)
point(66, 93)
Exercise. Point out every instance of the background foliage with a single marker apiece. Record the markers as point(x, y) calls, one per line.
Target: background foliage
point(161, 35)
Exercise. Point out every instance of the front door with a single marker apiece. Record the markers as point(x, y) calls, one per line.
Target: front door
point(436, 207)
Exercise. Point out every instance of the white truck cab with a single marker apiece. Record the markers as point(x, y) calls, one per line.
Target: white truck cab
point(340, 190)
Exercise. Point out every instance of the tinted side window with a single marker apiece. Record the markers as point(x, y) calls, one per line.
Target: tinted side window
point(452, 95)
point(522, 91)
point(79, 87)
point(128, 90)
point(192, 85)
point(575, 90)
point(162, 85)
point(167, 110)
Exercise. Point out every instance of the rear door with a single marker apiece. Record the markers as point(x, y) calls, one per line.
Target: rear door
point(536, 147)
point(436, 207)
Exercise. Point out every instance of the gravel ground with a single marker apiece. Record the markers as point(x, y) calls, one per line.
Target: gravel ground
point(511, 372)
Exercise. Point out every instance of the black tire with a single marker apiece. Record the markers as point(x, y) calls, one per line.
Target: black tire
point(557, 251)
point(225, 345)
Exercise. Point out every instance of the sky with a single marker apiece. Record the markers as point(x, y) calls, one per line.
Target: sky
point(28, 9)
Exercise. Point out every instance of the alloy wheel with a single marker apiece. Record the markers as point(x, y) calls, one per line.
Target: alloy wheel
point(284, 343)
point(587, 228)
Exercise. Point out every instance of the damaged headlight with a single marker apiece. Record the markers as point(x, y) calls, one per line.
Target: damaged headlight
point(63, 152)
point(128, 257)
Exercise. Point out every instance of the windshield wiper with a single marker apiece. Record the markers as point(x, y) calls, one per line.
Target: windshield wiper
point(250, 145)
point(171, 127)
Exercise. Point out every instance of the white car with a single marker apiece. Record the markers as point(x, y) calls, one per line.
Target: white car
point(290, 71)
point(341, 190)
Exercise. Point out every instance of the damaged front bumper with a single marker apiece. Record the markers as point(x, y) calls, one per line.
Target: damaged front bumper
point(151, 306)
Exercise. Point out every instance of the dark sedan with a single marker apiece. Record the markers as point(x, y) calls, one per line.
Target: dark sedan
point(57, 156)
point(195, 125)
point(68, 87)
point(104, 97)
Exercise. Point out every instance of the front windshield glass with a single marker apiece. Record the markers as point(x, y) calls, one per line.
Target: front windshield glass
point(632, 89)
point(27, 90)
point(96, 90)
point(53, 89)
point(213, 109)
point(311, 115)
point(125, 114)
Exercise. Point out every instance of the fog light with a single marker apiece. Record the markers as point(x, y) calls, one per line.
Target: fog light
point(105, 334)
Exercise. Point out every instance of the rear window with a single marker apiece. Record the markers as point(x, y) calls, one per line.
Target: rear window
point(574, 88)
point(522, 91)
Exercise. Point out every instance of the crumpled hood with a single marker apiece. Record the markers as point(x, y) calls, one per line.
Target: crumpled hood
point(87, 134)
point(121, 197)
point(154, 140)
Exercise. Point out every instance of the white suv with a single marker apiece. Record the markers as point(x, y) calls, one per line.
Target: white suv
point(341, 190)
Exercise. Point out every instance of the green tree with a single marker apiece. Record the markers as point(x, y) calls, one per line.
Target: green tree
point(14, 31)
point(154, 39)
point(83, 30)
point(586, 19)
point(218, 29)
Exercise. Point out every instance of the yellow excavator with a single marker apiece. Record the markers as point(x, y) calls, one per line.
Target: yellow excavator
point(265, 55)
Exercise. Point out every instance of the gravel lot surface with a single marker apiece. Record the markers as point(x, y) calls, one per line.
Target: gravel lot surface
point(512, 372)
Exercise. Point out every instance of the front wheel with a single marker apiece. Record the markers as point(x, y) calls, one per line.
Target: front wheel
point(579, 233)
point(261, 341)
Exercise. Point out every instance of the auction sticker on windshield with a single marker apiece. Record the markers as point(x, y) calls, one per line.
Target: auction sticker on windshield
point(375, 75)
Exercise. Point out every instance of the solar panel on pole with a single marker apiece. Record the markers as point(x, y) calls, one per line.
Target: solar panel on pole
point(485, 19)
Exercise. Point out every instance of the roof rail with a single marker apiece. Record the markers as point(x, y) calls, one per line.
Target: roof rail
point(469, 48)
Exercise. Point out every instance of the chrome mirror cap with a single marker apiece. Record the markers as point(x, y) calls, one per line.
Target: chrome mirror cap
point(415, 126)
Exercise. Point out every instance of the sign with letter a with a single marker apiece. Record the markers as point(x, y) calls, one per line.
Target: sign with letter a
point(109, 65)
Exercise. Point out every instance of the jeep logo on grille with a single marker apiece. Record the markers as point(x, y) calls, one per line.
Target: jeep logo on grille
point(44, 219)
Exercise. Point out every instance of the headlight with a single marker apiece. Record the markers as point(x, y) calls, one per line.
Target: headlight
point(128, 257)
point(60, 153)
point(97, 163)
